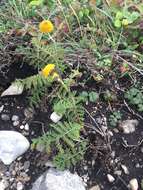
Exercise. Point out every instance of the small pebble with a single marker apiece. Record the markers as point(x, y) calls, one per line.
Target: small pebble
point(11, 179)
point(113, 154)
point(1, 108)
point(49, 164)
point(22, 127)
point(26, 165)
point(129, 126)
point(116, 130)
point(7, 173)
point(16, 123)
point(93, 162)
point(137, 165)
point(55, 117)
point(15, 118)
point(134, 184)
point(5, 117)
point(110, 178)
point(19, 186)
point(110, 133)
point(26, 127)
point(118, 172)
point(85, 168)
point(14, 172)
point(125, 169)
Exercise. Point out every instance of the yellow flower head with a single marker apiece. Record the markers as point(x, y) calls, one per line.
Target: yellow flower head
point(48, 69)
point(46, 26)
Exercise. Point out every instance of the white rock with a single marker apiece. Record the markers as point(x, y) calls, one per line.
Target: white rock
point(58, 180)
point(49, 164)
point(12, 145)
point(15, 118)
point(55, 117)
point(125, 169)
point(111, 179)
point(26, 127)
point(19, 186)
point(129, 126)
point(14, 89)
point(118, 172)
point(110, 133)
point(134, 184)
point(22, 126)
point(16, 123)
point(1, 108)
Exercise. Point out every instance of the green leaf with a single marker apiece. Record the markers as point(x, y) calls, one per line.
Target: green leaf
point(35, 3)
point(135, 15)
point(119, 15)
point(93, 97)
point(118, 23)
point(84, 96)
point(80, 14)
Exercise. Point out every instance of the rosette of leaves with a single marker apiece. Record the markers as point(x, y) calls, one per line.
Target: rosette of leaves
point(135, 97)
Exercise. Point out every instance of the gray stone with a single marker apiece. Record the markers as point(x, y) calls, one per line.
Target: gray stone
point(125, 169)
point(26, 165)
point(58, 180)
point(129, 126)
point(15, 118)
point(5, 117)
point(118, 172)
point(16, 123)
point(55, 117)
point(110, 178)
point(134, 184)
point(22, 127)
point(13, 89)
point(26, 127)
point(12, 145)
point(19, 186)
point(1, 108)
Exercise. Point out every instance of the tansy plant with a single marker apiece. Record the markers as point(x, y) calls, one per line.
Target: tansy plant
point(125, 18)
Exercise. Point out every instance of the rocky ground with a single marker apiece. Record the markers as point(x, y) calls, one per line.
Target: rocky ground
point(113, 159)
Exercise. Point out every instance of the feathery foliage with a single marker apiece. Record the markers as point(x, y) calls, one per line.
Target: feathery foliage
point(65, 138)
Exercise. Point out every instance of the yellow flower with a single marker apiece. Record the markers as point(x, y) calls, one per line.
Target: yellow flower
point(46, 26)
point(125, 22)
point(48, 69)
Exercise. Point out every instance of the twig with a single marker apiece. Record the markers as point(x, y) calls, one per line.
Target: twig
point(131, 65)
point(99, 129)
point(132, 110)
point(126, 145)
